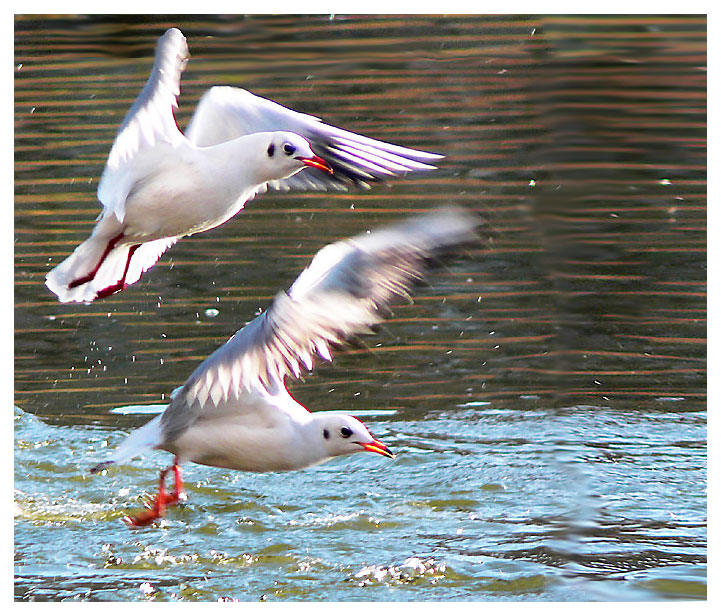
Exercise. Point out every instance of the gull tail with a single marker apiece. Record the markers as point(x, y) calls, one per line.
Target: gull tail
point(138, 441)
point(104, 264)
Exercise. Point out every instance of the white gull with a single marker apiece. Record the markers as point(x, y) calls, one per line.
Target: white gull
point(160, 185)
point(235, 411)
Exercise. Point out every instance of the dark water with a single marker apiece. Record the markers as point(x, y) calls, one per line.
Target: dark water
point(549, 388)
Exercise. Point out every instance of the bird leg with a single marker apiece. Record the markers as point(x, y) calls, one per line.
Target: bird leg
point(178, 494)
point(89, 276)
point(120, 285)
point(156, 509)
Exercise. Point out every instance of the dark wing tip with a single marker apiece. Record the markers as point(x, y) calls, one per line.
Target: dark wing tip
point(100, 467)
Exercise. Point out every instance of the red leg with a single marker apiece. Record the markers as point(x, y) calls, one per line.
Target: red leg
point(178, 494)
point(88, 277)
point(120, 285)
point(157, 508)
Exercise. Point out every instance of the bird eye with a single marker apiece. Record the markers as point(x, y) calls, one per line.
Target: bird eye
point(288, 148)
point(326, 434)
point(271, 150)
point(345, 431)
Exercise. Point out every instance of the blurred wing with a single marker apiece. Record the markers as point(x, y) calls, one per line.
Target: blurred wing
point(345, 290)
point(225, 113)
point(149, 123)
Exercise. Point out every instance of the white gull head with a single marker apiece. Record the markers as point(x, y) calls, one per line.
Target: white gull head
point(340, 435)
point(283, 154)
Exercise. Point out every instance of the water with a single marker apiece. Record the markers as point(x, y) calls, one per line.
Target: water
point(566, 504)
point(545, 394)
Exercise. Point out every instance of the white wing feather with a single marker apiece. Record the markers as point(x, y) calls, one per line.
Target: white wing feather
point(148, 124)
point(344, 292)
point(225, 113)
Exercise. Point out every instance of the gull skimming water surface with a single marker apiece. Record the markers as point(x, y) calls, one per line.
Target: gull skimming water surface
point(235, 411)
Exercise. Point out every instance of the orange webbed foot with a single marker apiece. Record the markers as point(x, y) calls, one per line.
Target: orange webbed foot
point(156, 508)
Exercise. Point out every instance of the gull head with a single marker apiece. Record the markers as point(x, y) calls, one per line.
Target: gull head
point(344, 434)
point(287, 153)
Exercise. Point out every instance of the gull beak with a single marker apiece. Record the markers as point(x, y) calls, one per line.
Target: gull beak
point(318, 163)
point(378, 447)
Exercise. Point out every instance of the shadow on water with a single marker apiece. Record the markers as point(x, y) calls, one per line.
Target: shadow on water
point(549, 387)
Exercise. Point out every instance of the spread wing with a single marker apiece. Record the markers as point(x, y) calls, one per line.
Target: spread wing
point(225, 113)
point(346, 290)
point(149, 125)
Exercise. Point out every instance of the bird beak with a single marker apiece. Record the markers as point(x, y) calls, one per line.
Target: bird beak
point(318, 163)
point(378, 447)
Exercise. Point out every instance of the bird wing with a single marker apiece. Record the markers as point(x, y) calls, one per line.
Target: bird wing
point(345, 291)
point(225, 113)
point(150, 123)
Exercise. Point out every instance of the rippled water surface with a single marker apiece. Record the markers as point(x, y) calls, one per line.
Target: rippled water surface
point(546, 393)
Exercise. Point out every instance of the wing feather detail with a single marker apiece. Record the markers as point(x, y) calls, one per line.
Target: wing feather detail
point(149, 123)
point(225, 113)
point(345, 291)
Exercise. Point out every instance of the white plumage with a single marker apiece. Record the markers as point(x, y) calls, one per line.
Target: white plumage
point(159, 185)
point(234, 411)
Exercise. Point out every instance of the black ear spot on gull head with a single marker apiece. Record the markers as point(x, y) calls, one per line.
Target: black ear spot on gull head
point(345, 431)
point(288, 148)
point(271, 150)
point(326, 434)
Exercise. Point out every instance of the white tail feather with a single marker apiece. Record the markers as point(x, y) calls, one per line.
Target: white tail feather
point(138, 441)
point(86, 257)
point(146, 256)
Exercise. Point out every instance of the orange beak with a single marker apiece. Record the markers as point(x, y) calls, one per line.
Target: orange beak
point(378, 447)
point(318, 163)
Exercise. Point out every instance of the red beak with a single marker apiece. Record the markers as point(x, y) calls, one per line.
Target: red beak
point(378, 447)
point(318, 163)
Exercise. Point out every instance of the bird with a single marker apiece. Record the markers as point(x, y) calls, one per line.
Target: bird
point(160, 185)
point(235, 411)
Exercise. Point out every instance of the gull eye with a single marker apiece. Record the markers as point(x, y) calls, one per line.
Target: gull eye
point(288, 148)
point(326, 434)
point(345, 431)
point(271, 150)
